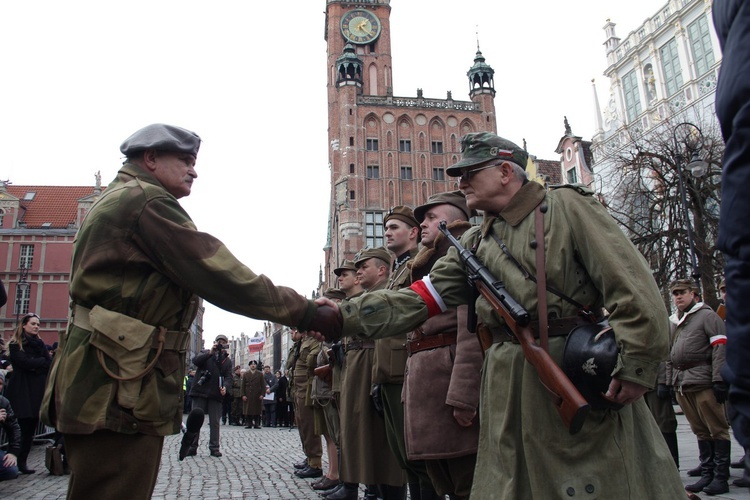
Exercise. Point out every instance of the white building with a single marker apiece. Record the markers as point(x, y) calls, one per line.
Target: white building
point(666, 68)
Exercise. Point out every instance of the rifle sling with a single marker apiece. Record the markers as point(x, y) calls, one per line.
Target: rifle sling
point(541, 276)
point(529, 276)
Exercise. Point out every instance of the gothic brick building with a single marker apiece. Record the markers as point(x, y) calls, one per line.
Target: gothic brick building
point(386, 150)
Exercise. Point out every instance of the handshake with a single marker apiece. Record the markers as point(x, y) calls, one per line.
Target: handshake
point(326, 323)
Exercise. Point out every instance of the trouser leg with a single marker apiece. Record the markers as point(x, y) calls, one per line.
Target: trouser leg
point(108, 464)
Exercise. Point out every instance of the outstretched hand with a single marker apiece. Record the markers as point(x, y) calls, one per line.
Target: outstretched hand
point(327, 322)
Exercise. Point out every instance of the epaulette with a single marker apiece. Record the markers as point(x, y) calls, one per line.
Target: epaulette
point(579, 188)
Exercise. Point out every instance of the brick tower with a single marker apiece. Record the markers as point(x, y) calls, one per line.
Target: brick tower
point(384, 150)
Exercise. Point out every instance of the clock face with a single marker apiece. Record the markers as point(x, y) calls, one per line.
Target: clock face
point(360, 26)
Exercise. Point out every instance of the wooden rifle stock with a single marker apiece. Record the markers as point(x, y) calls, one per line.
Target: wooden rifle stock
point(325, 373)
point(569, 403)
point(722, 312)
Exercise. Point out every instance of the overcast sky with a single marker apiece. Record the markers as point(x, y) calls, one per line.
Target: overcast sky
point(78, 77)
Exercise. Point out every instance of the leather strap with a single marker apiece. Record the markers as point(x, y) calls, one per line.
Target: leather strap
point(541, 277)
point(424, 343)
point(356, 345)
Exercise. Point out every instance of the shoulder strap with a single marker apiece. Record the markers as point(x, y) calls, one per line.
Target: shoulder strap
point(541, 275)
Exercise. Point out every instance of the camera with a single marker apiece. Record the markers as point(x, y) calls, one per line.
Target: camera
point(206, 376)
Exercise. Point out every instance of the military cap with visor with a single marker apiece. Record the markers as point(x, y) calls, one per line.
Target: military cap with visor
point(370, 253)
point(682, 284)
point(455, 198)
point(334, 294)
point(479, 148)
point(346, 265)
point(162, 138)
point(402, 213)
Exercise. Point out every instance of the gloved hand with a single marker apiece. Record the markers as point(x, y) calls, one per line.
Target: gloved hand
point(377, 399)
point(720, 392)
point(663, 391)
point(326, 323)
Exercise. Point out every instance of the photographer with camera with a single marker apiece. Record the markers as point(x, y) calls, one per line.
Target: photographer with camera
point(212, 381)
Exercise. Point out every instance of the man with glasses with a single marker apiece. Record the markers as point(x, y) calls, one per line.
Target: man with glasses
point(525, 450)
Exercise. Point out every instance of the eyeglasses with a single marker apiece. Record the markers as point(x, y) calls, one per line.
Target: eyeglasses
point(466, 175)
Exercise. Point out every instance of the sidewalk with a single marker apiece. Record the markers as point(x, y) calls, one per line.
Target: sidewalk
point(257, 464)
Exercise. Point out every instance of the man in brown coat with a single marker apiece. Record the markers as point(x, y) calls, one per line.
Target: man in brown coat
point(253, 388)
point(304, 371)
point(365, 455)
point(441, 389)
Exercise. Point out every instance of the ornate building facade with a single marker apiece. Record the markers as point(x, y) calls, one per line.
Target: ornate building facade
point(386, 150)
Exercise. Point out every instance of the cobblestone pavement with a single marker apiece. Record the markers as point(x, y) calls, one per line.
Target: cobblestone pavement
point(257, 465)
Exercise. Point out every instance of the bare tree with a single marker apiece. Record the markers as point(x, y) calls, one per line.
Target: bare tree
point(642, 191)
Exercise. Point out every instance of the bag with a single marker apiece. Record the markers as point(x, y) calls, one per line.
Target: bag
point(126, 341)
point(53, 460)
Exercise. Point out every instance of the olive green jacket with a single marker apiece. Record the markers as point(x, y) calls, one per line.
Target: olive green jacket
point(139, 256)
point(617, 454)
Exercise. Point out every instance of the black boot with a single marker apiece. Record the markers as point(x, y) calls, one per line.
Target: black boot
point(719, 485)
point(429, 493)
point(415, 493)
point(739, 464)
point(744, 481)
point(671, 439)
point(350, 491)
point(706, 456)
point(393, 492)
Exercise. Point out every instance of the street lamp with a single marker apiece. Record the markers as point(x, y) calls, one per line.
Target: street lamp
point(21, 288)
point(693, 139)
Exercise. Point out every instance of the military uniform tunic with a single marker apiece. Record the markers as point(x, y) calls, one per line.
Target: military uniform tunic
point(139, 254)
point(525, 451)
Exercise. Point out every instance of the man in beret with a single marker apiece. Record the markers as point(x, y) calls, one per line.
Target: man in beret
point(525, 450)
point(693, 370)
point(441, 388)
point(139, 267)
point(401, 238)
point(365, 455)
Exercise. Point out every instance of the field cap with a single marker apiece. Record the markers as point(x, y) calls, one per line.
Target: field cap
point(478, 148)
point(346, 265)
point(369, 253)
point(455, 198)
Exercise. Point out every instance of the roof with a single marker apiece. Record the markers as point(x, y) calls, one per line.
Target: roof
point(588, 155)
point(550, 169)
point(51, 207)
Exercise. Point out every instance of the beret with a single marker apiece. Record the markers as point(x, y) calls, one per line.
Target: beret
point(480, 147)
point(455, 198)
point(163, 138)
point(334, 294)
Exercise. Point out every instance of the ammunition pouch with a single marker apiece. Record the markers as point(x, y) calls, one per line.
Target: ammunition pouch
point(130, 351)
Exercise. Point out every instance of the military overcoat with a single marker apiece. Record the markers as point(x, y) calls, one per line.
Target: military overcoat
point(525, 451)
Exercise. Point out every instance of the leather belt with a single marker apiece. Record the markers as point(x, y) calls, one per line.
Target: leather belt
point(173, 340)
point(356, 345)
point(558, 327)
point(424, 343)
point(691, 364)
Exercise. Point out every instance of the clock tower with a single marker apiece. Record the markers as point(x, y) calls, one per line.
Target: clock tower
point(386, 150)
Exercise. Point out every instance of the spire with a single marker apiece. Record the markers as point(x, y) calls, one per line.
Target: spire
point(597, 111)
point(481, 75)
point(349, 67)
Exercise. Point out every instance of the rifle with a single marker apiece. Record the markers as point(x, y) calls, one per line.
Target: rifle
point(568, 401)
point(324, 373)
point(722, 311)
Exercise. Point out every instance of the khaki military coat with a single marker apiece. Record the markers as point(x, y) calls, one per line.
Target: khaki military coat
point(366, 457)
point(254, 388)
point(525, 451)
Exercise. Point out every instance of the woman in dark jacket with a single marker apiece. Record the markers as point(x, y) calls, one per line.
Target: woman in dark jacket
point(31, 362)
